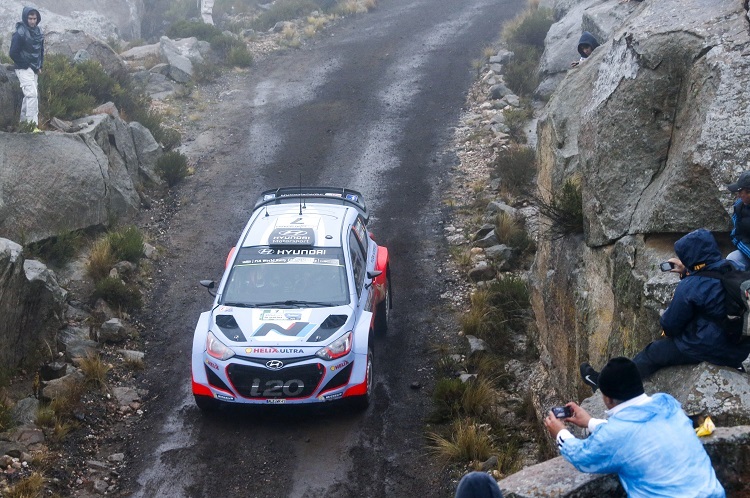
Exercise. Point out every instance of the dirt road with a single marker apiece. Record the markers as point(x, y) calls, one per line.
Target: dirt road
point(369, 105)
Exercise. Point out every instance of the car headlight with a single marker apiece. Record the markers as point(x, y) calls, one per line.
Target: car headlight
point(217, 349)
point(338, 348)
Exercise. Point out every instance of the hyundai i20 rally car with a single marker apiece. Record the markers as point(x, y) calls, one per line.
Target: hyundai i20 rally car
point(304, 292)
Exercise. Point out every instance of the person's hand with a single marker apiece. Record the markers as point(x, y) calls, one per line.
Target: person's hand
point(679, 267)
point(553, 424)
point(580, 416)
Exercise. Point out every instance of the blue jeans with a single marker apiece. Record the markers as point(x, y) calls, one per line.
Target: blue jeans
point(660, 354)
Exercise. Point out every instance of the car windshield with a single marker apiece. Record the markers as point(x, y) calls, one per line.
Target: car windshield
point(263, 276)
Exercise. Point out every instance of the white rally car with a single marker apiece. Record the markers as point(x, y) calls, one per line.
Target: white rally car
point(305, 291)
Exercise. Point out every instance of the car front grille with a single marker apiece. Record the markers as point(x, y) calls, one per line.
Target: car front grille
point(290, 382)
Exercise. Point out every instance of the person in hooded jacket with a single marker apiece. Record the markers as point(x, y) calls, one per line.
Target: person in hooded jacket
point(693, 324)
point(586, 45)
point(478, 485)
point(740, 234)
point(27, 52)
point(648, 441)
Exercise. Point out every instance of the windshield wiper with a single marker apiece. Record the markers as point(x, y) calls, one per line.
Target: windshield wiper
point(294, 302)
point(238, 305)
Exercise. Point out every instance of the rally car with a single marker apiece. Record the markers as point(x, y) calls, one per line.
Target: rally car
point(304, 293)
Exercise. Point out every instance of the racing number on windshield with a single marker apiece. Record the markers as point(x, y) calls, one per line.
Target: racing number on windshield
point(277, 388)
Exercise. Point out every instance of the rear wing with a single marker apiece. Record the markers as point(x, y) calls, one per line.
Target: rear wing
point(325, 195)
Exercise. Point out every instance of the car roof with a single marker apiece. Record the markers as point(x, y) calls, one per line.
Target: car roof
point(316, 195)
point(298, 226)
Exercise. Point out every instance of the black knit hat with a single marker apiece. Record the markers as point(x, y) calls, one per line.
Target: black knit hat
point(620, 380)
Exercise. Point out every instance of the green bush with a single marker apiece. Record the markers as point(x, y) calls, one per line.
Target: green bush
point(516, 119)
point(520, 73)
point(200, 30)
point(447, 397)
point(564, 212)
point(525, 38)
point(127, 244)
point(283, 10)
point(239, 57)
point(510, 299)
point(532, 29)
point(205, 72)
point(172, 167)
point(56, 250)
point(516, 167)
point(116, 293)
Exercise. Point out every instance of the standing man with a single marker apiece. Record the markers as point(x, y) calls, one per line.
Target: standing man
point(741, 222)
point(27, 51)
point(648, 441)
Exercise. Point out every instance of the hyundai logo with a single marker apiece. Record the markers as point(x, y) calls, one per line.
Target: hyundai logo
point(275, 364)
point(294, 233)
point(265, 251)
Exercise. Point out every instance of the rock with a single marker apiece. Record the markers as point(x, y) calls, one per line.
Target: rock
point(58, 387)
point(502, 57)
point(75, 342)
point(456, 239)
point(415, 385)
point(97, 465)
point(24, 411)
point(107, 108)
point(126, 395)
point(482, 272)
point(32, 303)
point(476, 345)
point(496, 207)
point(113, 331)
point(54, 370)
point(29, 436)
point(12, 449)
point(499, 252)
point(141, 53)
point(116, 458)
point(483, 231)
point(87, 47)
point(100, 486)
point(181, 55)
point(489, 464)
point(467, 377)
point(129, 355)
point(489, 240)
point(499, 91)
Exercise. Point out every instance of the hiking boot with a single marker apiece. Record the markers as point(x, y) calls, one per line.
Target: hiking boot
point(590, 376)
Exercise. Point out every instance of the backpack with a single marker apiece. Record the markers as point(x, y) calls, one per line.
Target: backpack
point(736, 285)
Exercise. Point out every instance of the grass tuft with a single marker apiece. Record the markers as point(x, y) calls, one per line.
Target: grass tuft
point(467, 442)
point(28, 487)
point(172, 167)
point(101, 259)
point(126, 244)
point(116, 293)
point(94, 370)
point(516, 167)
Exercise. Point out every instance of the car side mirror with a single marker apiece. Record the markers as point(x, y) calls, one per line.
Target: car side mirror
point(209, 284)
point(371, 275)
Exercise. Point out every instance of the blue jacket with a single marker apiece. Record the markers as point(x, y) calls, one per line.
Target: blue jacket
point(27, 44)
point(694, 317)
point(653, 449)
point(587, 39)
point(741, 227)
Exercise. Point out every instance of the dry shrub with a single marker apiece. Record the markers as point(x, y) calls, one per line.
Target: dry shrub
point(28, 487)
point(467, 442)
point(94, 370)
point(516, 167)
point(101, 259)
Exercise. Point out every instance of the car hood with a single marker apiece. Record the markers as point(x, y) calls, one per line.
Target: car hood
point(258, 328)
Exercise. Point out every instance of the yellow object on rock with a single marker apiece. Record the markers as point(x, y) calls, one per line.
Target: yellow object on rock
point(706, 428)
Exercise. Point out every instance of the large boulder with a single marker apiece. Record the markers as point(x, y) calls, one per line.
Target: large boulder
point(31, 307)
point(181, 55)
point(92, 173)
point(70, 43)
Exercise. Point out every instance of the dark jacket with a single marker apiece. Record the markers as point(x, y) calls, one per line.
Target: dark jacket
point(27, 44)
point(695, 315)
point(741, 232)
point(587, 39)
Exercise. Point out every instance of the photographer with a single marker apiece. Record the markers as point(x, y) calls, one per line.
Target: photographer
point(648, 441)
point(693, 324)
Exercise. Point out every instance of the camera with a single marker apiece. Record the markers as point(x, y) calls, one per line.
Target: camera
point(562, 411)
point(666, 266)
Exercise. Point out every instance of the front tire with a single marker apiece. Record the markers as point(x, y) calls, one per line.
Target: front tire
point(206, 404)
point(360, 403)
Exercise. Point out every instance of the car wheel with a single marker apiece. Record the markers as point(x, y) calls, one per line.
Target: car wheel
point(383, 311)
point(362, 402)
point(206, 404)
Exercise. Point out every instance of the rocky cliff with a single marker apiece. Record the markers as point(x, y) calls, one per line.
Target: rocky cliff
point(653, 125)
